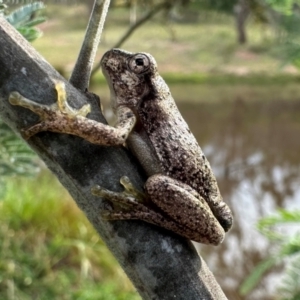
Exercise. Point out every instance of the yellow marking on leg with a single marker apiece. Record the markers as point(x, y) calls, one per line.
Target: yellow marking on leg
point(61, 96)
point(64, 106)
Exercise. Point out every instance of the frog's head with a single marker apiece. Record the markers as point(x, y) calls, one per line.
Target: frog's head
point(130, 76)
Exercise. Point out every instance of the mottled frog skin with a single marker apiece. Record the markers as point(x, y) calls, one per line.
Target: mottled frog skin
point(181, 192)
point(165, 146)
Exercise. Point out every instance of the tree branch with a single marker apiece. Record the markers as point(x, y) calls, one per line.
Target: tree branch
point(80, 77)
point(161, 264)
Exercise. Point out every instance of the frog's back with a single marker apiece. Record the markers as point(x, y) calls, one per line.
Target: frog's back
point(177, 150)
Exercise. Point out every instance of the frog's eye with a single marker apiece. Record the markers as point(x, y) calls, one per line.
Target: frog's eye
point(139, 63)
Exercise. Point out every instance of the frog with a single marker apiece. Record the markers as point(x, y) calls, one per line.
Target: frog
point(181, 193)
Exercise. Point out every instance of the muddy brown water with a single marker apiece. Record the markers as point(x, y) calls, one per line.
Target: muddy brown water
point(254, 150)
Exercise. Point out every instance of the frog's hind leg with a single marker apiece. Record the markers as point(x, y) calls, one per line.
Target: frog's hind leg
point(158, 219)
point(185, 206)
point(130, 208)
point(132, 204)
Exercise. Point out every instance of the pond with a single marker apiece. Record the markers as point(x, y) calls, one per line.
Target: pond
point(254, 150)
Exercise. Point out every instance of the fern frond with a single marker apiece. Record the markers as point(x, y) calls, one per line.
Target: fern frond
point(253, 279)
point(16, 158)
point(23, 15)
point(290, 287)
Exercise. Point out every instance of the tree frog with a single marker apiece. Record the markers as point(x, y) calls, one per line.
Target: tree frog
point(181, 193)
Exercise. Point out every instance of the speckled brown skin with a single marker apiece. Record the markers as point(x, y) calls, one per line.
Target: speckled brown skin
point(167, 149)
point(181, 192)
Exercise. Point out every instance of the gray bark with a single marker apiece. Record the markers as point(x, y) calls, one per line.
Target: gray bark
point(160, 264)
point(80, 77)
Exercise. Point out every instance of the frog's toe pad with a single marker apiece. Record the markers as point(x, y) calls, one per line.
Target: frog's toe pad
point(97, 190)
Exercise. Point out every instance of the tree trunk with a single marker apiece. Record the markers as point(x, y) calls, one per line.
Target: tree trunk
point(241, 10)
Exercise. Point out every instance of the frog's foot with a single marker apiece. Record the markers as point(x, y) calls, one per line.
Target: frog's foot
point(53, 117)
point(129, 198)
point(124, 200)
point(131, 203)
point(130, 189)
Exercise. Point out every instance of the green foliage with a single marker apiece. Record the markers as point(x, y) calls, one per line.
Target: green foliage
point(25, 18)
point(266, 225)
point(283, 6)
point(49, 250)
point(254, 278)
point(21, 163)
point(15, 156)
point(2, 8)
point(290, 51)
point(218, 5)
point(287, 252)
point(289, 48)
point(290, 288)
point(287, 23)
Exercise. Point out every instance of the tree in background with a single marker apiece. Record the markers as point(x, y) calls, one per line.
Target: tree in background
point(241, 11)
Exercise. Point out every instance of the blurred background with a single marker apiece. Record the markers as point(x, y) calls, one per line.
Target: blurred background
point(233, 69)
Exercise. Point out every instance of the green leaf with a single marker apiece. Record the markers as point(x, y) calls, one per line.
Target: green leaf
point(287, 247)
point(16, 158)
point(253, 279)
point(35, 21)
point(22, 15)
point(291, 247)
point(283, 6)
point(289, 288)
point(29, 33)
point(266, 225)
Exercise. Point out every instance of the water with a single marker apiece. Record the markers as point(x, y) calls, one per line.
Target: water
point(254, 150)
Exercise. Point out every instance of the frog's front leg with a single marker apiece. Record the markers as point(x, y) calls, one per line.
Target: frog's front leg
point(62, 118)
point(52, 116)
point(173, 205)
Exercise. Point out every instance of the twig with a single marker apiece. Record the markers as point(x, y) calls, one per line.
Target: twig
point(80, 77)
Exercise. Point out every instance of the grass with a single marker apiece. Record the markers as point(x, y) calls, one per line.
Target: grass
point(49, 250)
point(208, 46)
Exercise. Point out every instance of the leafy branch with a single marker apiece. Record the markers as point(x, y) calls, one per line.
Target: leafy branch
point(25, 18)
point(16, 158)
point(288, 252)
